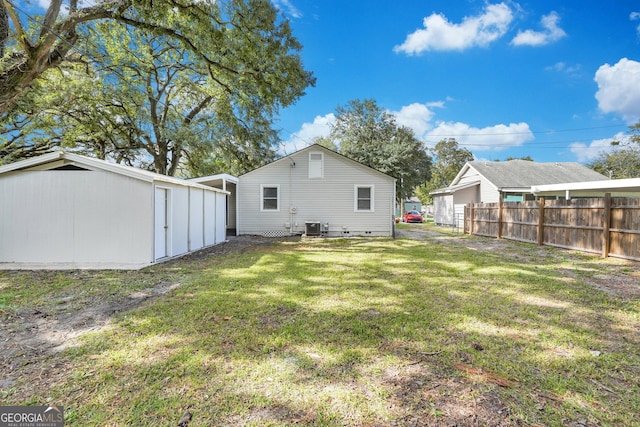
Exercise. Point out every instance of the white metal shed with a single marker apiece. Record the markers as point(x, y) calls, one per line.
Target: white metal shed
point(63, 210)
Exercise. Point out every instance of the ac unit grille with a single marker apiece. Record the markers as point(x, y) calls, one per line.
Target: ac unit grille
point(312, 228)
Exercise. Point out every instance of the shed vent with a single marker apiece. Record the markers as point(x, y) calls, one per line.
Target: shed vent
point(69, 167)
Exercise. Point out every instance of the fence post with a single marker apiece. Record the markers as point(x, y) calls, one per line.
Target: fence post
point(500, 217)
point(541, 221)
point(471, 218)
point(606, 218)
point(466, 217)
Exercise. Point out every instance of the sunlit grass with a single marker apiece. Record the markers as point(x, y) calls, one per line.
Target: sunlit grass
point(345, 332)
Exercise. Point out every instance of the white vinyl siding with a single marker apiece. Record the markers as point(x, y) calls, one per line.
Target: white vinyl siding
point(364, 198)
point(316, 169)
point(329, 200)
point(117, 218)
point(270, 198)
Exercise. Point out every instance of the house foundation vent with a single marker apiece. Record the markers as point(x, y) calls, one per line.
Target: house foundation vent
point(275, 233)
point(312, 228)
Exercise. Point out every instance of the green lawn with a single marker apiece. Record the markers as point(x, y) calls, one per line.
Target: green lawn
point(339, 332)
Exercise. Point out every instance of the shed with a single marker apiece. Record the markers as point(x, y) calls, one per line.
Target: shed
point(488, 182)
point(228, 183)
point(63, 210)
point(316, 191)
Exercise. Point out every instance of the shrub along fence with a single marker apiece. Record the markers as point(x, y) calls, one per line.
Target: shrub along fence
point(607, 226)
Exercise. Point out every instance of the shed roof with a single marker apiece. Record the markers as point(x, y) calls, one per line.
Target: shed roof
point(524, 173)
point(64, 158)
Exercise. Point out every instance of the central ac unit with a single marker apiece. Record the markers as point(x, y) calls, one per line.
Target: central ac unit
point(312, 228)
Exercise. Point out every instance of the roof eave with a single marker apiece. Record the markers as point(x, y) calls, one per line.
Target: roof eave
point(33, 161)
point(127, 171)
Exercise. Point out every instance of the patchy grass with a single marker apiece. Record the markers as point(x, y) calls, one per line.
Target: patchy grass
point(345, 332)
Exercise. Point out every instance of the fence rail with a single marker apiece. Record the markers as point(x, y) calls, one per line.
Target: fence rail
point(607, 226)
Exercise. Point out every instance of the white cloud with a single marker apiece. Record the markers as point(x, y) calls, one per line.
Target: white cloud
point(416, 117)
point(619, 89)
point(635, 16)
point(320, 127)
point(288, 7)
point(440, 34)
point(586, 153)
point(562, 67)
point(550, 34)
point(419, 118)
point(490, 138)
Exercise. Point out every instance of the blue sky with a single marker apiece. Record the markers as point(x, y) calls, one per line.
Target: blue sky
point(554, 80)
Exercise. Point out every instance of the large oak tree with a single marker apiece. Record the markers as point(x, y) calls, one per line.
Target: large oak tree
point(165, 79)
point(365, 132)
point(624, 160)
point(449, 159)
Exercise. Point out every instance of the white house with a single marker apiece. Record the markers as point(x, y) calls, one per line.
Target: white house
point(316, 191)
point(511, 181)
point(62, 210)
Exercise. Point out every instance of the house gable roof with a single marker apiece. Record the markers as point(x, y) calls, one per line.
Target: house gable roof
point(524, 174)
point(59, 159)
point(327, 150)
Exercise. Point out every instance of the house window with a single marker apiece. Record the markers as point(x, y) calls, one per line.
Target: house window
point(270, 197)
point(316, 166)
point(363, 198)
point(513, 197)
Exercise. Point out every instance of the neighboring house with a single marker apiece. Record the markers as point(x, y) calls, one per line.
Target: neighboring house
point(488, 182)
point(316, 191)
point(629, 187)
point(413, 204)
point(62, 210)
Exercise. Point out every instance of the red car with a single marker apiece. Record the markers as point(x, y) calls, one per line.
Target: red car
point(412, 216)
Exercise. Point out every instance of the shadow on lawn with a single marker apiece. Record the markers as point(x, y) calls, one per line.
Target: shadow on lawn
point(361, 332)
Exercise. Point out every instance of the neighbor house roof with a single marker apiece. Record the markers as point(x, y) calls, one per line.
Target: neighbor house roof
point(61, 158)
point(523, 173)
point(452, 189)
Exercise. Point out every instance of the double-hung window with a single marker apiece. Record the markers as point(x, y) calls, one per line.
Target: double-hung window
point(363, 198)
point(269, 198)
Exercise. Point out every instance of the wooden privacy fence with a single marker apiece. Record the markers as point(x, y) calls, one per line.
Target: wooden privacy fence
point(607, 226)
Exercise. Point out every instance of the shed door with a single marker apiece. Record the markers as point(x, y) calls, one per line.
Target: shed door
point(162, 223)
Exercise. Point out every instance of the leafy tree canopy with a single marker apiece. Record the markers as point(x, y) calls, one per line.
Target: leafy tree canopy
point(191, 87)
point(527, 158)
point(624, 160)
point(364, 132)
point(449, 159)
point(621, 163)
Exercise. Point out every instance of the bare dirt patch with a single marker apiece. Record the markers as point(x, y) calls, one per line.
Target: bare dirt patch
point(32, 334)
point(425, 392)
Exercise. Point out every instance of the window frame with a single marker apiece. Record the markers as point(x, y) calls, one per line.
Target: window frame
point(262, 197)
point(321, 165)
point(371, 188)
